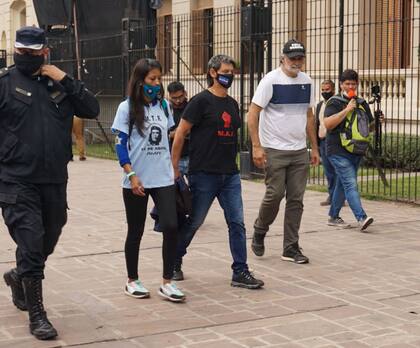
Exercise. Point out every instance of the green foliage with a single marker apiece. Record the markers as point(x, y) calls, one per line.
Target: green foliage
point(399, 151)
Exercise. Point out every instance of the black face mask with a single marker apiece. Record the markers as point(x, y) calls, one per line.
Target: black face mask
point(28, 64)
point(225, 79)
point(327, 95)
point(180, 106)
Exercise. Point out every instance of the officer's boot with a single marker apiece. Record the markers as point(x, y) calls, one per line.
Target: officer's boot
point(13, 280)
point(39, 324)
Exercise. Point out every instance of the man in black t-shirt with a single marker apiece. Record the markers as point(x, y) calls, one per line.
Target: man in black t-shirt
point(178, 99)
point(344, 162)
point(212, 119)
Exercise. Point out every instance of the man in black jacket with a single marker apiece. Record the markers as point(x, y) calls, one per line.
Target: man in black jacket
point(37, 104)
point(179, 101)
point(327, 91)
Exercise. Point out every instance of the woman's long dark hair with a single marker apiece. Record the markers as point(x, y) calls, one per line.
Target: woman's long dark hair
point(137, 101)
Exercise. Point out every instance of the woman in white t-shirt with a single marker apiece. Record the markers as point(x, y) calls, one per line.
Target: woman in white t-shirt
point(141, 124)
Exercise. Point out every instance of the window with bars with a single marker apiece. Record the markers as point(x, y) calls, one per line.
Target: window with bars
point(385, 34)
point(297, 20)
point(164, 42)
point(201, 39)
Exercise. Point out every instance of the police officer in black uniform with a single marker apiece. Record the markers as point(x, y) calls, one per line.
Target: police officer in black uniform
point(37, 104)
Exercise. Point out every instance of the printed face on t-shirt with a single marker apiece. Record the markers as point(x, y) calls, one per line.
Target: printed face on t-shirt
point(155, 136)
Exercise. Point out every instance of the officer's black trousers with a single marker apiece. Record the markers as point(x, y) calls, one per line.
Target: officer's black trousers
point(35, 215)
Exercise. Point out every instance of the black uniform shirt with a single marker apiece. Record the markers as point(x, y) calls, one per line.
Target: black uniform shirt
point(36, 118)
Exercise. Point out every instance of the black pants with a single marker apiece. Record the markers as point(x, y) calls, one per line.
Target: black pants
point(35, 215)
point(136, 209)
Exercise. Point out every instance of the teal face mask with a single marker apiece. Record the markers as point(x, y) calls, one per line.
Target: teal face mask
point(151, 92)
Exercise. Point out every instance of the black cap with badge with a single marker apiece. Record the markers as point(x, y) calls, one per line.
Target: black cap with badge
point(30, 37)
point(293, 48)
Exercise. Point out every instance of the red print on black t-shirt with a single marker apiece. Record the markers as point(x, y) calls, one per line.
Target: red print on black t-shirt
point(227, 126)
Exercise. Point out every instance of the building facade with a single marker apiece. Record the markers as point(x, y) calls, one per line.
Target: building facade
point(13, 15)
point(379, 39)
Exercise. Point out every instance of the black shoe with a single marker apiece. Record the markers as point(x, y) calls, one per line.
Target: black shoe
point(178, 275)
point(325, 203)
point(13, 280)
point(257, 245)
point(294, 254)
point(245, 279)
point(39, 325)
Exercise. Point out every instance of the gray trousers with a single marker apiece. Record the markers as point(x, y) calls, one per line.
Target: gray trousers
point(286, 174)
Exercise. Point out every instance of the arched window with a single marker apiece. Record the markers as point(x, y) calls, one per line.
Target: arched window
point(17, 17)
point(3, 42)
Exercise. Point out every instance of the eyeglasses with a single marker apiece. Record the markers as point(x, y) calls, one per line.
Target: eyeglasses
point(178, 99)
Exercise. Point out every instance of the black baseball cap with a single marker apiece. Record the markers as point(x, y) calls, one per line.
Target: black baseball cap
point(30, 37)
point(293, 48)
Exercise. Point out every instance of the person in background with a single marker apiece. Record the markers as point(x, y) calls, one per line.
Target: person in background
point(177, 96)
point(345, 163)
point(79, 137)
point(327, 91)
point(178, 101)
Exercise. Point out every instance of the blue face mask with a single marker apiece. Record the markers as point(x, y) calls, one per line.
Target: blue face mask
point(225, 79)
point(151, 92)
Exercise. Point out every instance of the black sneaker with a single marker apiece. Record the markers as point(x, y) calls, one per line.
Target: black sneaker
point(338, 222)
point(294, 254)
point(245, 279)
point(326, 202)
point(178, 275)
point(257, 245)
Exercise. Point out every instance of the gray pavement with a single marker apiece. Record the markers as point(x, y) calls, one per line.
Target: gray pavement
point(360, 289)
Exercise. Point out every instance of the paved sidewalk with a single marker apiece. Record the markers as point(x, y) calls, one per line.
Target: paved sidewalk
point(360, 289)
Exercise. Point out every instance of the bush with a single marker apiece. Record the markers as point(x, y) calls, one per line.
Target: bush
point(399, 151)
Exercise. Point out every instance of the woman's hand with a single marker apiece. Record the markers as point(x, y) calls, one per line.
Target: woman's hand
point(136, 186)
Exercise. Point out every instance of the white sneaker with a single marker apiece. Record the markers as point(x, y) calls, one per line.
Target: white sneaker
point(363, 224)
point(136, 289)
point(171, 292)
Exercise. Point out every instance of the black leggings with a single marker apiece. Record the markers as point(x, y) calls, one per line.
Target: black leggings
point(136, 209)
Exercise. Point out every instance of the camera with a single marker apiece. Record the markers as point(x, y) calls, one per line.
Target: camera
point(376, 93)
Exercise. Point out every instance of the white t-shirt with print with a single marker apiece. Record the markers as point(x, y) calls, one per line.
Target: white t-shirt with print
point(285, 101)
point(149, 154)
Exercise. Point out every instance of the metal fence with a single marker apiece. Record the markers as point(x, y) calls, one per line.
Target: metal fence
point(3, 58)
point(378, 38)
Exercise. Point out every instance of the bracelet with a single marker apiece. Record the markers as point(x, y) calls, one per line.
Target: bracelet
point(131, 174)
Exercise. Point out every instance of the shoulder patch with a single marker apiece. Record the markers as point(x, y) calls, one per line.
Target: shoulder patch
point(4, 72)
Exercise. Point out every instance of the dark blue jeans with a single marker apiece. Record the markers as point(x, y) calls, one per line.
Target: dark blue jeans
point(227, 189)
point(183, 165)
point(329, 170)
point(346, 166)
